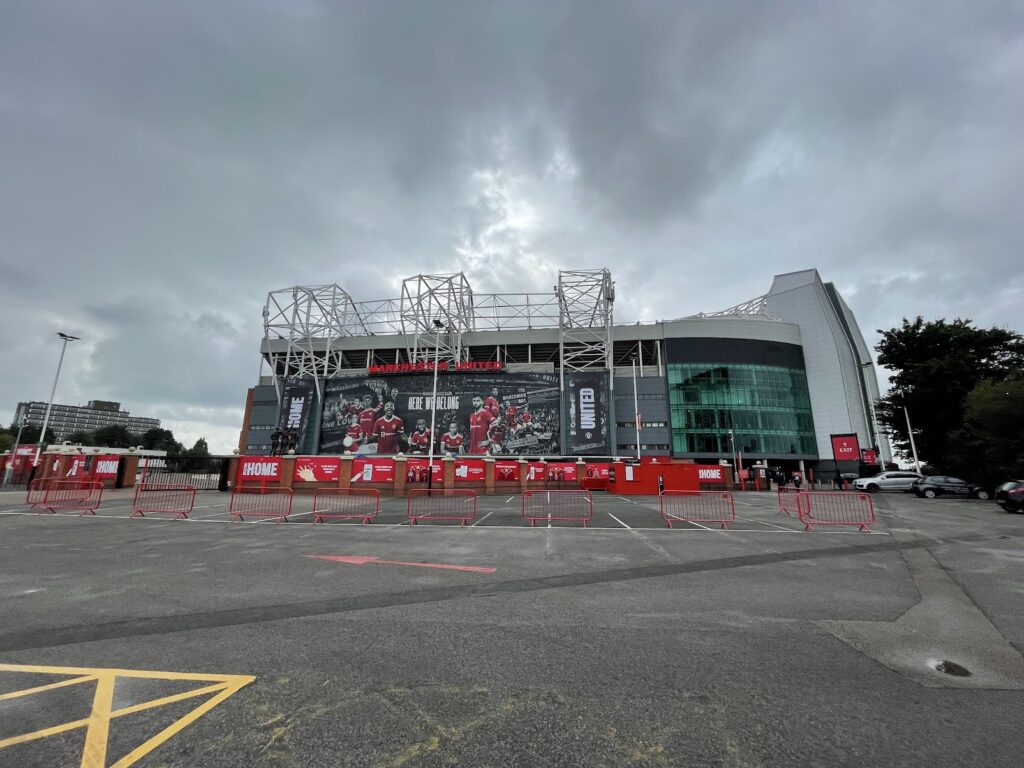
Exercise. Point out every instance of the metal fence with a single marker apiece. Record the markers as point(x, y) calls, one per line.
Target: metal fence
point(715, 507)
point(575, 506)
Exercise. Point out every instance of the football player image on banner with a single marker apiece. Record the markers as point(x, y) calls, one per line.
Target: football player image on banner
point(587, 394)
point(496, 414)
point(506, 471)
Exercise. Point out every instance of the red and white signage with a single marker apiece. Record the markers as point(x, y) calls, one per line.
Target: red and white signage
point(561, 471)
point(316, 469)
point(372, 470)
point(597, 471)
point(536, 470)
point(506, 471)
point(252, 468)
point(710, 473)
point(105, 466)
point(869, 456)
point(76, 468)
point(416, 471)
point(469, 470)
point(23, 456)
point(845, 448)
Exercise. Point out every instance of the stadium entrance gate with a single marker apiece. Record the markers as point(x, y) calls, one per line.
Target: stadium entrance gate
point(203, 473)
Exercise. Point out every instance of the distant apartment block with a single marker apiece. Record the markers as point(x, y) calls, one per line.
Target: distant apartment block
point(67, 419)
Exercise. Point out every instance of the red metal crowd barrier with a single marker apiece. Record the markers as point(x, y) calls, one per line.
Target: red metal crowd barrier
point(698, 507)
point(789, 499)
point(346, 504)
point(164, 498)
point(255, 501)
point(568, 506)
point(82, 495)
point(829, 508)
point(444, 504)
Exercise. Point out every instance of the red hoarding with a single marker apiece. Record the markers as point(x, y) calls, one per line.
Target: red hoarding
point(469, 470)
point(869, 456)
point(416, 471)
point(373, 471)
point(105, 466)
point(317, 469)
point(560, 471)
point(597, 471)
point(506, 471)
point(536, 470)
point(255, 468)
point(845, 448)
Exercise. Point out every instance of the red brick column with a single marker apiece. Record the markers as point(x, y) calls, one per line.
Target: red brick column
point(448, 464)
point(400, 476)
point(345, 476)
point(287, 471)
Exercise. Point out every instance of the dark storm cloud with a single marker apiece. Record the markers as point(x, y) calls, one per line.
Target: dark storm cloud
point(165, 165)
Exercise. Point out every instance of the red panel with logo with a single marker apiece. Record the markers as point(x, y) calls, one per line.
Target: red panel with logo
point(105, 466)
point(373, 470)
point(845, 448)
point(77, 467)
point(469, 470)
point(506, 471)
point(536, 471)
point(562, 471)
point(259, 468)
point(416, 471)
point(316, 469)
point(869, 456)
point(642, 479)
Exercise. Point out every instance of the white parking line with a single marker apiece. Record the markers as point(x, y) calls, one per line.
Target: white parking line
point(483, 518)
point(613, 517)
point(509, 499)
point(762, 522)
point(625, 499)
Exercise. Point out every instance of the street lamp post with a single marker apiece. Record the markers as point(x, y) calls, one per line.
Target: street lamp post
point(9, 469)
point(913, 446)
point(46, 419)
point(438, 326)
point(874, 419)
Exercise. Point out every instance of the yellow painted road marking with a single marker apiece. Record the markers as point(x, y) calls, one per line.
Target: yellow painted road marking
point(94, 753)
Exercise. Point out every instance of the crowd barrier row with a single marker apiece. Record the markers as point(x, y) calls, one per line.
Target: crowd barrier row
point(827, 507)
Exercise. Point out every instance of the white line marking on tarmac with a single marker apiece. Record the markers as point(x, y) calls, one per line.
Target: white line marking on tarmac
point(762, 522)
point(474, 525)
point(625, 499)
point(613, 517)
point(702, 526)
point(509, 499)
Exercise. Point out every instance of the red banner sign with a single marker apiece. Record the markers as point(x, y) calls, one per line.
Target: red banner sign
point(416, 471)
point(506, 471)
point(373, 471)
point(105, 466)
point(536, 470)
point(562, 471)
point(428, 367)
point(469, 470)
point(252, 468)
point(845, 448)
point(316, 469)
point(597, 471)
point(869, 456)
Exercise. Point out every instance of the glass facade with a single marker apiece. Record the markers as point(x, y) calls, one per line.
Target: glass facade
point(767, 407)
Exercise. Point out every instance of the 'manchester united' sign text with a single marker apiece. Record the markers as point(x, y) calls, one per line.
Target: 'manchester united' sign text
point(443, 365)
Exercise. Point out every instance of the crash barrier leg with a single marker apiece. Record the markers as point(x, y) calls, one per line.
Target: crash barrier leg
point(837, 508)
point(256, 501)
point(789, 500)
point(164, 498)
point(82, 495)
point(346, 504)
point(444, 504)
point(698, 507)
point(576, 506)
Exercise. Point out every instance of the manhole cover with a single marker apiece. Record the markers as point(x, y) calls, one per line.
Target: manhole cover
point(952, 668)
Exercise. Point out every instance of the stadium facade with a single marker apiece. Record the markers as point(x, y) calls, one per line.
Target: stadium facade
point(785, 379)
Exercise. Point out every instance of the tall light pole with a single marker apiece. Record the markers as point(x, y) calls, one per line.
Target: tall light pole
point(9, 469)
point(46, 419)
point(874, 420)
point(913, 446)
point(438, 326)
point(636, 412)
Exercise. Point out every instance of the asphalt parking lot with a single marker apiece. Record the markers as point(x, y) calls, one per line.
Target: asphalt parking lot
point(625, 644)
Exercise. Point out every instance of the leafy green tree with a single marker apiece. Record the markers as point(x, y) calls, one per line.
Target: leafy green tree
point(6, 441)
point(83, 438)
point(114, 436)
point(30, 434)
point(990, 447)
point(157, 439)
point(935, 366)
point(200, 449)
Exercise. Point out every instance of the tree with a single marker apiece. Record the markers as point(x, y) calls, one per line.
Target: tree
point(990, 447)
point(114, 436)
point(30, 434)
point(935, 367)
point(6, 441)
point(157, 439)
point(200, 449)
point(82, 438)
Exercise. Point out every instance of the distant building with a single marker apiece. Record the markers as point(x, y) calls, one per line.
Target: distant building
point(67, 419)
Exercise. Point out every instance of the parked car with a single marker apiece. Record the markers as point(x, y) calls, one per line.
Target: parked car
point(942, 485)
point(1014, 499)
point(1003, 490)
point(887, 481)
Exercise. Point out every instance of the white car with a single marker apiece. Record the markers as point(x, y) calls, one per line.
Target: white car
point(887, 481)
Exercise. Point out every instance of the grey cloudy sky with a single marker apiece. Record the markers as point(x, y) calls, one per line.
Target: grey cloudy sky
point(164, 165)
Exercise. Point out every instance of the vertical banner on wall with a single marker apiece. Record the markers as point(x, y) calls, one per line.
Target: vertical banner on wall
point(587, 407)
point(296, 406)
point(845, 448)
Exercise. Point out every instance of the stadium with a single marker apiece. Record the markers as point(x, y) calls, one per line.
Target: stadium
point(784, 381)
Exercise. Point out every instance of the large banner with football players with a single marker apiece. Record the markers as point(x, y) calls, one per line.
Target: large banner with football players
point(498, 414)
point(296, 407)
point(587, 403)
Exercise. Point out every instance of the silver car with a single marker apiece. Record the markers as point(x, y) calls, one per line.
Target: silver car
point(887, 481)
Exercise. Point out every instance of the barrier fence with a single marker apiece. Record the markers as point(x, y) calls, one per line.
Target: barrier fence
point(255, 501)
point(81, 495)
point(446, 504)
point(576, 506)
point(698, 507)
point(164, 498)
point(835, 508)
point(789, 500)
point(346, 504)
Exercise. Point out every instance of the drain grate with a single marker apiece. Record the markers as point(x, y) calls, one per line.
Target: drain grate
point(952, 668)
